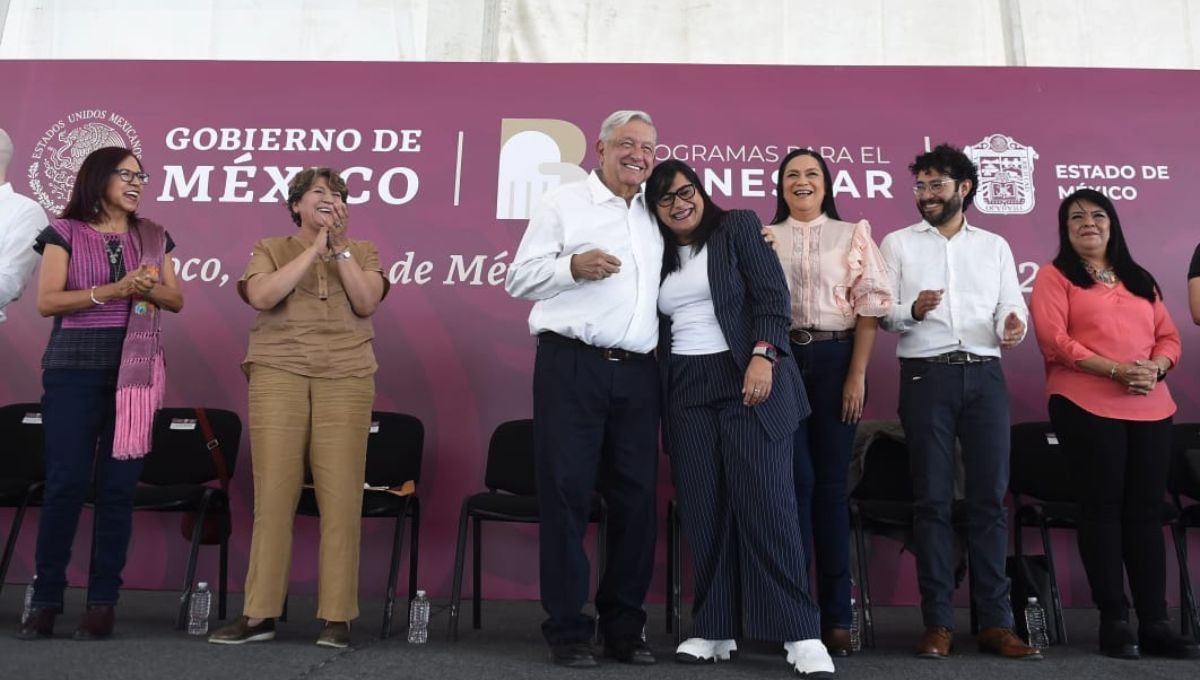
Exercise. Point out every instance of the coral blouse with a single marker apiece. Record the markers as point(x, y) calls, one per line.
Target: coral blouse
point(1074, 323)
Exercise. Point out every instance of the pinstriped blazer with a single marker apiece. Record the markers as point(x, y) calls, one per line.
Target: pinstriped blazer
point(752, 303)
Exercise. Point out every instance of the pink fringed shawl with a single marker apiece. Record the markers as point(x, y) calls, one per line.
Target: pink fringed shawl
point(141, 379)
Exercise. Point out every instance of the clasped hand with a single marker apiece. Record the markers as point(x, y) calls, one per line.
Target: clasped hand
point(1138, 377)
point(138, 282)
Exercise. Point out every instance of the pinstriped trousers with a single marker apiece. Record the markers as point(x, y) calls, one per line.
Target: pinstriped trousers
point(738, 507)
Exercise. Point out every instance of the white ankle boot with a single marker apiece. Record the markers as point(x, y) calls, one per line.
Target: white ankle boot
point(699, 650)
point(809, 658)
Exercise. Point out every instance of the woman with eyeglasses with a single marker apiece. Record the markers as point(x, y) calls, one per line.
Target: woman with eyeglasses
point(106, 275)
point(839, 289)
point(731, 405)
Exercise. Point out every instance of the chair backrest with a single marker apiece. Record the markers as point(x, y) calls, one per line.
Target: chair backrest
point(179, 451)
point(1039, 466)
point(886, 475)
point(394, 449)
point(510, 465)
point(1184, 475)
point(22, 448)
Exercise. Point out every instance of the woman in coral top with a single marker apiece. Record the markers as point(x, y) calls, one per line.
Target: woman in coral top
point(1108, 342)
point(839, 289)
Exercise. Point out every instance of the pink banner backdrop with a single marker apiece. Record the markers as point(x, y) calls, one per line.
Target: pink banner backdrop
point(443, 162)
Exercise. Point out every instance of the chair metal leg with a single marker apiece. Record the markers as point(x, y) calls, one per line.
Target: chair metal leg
point(459, 557)
point(1189, 618)
point(223, 572)
point(477, 576)
point(1055, 594)
point(413, 551)
point(389, 597)
point(190, 572)
point(864, 581)
point(11, 544)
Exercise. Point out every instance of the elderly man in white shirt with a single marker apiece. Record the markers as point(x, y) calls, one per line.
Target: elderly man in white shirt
point(591, 258)
point(958, 304)
point(21, 219)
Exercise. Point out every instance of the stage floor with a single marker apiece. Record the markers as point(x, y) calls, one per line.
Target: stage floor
point(146, 646)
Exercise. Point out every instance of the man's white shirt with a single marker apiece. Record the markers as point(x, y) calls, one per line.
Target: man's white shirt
point(619, 311)
point(21, 220)
point(978, 277)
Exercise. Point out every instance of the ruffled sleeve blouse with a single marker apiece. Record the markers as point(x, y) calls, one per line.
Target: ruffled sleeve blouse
point(835, 272)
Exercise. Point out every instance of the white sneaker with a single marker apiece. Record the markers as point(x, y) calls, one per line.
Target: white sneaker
point(699, 650)
point(809, 658)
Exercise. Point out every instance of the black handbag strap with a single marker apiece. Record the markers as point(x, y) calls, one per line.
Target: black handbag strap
point(214, 448)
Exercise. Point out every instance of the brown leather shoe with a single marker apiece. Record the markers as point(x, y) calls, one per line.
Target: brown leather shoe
point(335, 634)
point(240, 632)
point(40, 624)
point(935, 643)
point(1003, 642)
point(837, 641)
point(97, 623)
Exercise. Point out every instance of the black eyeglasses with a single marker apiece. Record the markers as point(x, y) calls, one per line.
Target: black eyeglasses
point(128, 175)
point(685, 192)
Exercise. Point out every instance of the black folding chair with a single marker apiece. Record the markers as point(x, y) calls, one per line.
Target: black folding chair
point(511, 497)
point(394, 451)
point(882, 504)
point(1183, 481)
point(192, 448)
point(1045, 498)
point(22, 469)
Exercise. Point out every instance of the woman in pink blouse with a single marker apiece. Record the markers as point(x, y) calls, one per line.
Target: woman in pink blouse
point(1108, 342)
point(839, 289)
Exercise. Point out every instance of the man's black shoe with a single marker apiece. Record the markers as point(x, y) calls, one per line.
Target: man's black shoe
point(573, 655)
point(634, 651)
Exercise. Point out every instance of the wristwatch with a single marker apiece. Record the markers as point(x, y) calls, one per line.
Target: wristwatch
point(344, 255)
point(765, 351)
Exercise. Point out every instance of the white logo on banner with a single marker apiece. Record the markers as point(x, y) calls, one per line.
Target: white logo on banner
point(1005, 175)
point(536, 155)
point(63, 146)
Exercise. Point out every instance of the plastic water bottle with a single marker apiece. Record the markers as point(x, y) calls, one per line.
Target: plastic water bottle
point(855, 627)
point(418, 620)
point(27, 610)
point(198, 610)
point(1035, 623)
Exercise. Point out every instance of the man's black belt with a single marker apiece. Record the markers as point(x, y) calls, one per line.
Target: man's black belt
point(805, 336)
point(609, 353)
point(955, 358)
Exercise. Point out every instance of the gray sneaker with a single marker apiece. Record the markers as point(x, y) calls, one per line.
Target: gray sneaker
point(240, 632)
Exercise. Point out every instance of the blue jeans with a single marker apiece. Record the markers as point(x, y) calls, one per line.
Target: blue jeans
point(78, 414)
point(938, 403)
point(821, 458)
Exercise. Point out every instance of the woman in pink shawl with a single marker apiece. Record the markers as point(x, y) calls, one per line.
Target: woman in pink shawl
point(105, 276)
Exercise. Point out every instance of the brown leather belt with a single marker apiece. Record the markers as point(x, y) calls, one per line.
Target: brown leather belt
point(804, 336)
point(955, 358)
point(609, 353)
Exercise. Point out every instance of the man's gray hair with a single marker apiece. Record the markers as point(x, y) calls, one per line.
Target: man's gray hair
point(618, 118)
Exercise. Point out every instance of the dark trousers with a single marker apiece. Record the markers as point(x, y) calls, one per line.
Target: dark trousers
point(1121, 476)
point(78, 410)
point(938, 403)
point(822, 457)
point(595, 430)
point(736, 502)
